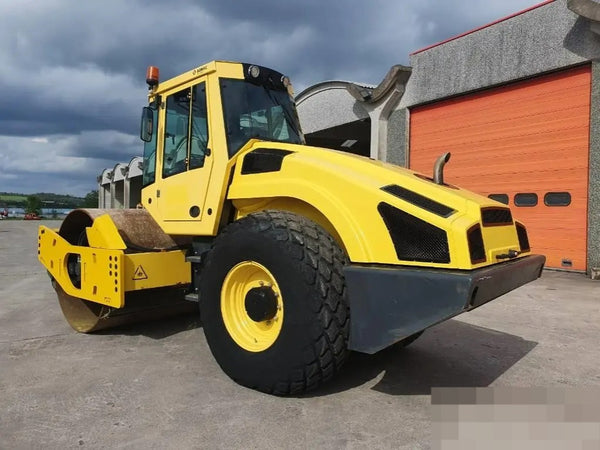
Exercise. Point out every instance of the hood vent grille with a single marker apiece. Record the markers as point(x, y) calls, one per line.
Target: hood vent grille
point(419, 200)
point(413, 238)
point(494, 217)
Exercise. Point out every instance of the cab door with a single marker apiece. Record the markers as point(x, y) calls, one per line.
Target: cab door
point(186, 160)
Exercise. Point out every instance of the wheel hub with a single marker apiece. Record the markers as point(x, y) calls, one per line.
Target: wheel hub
point(252, 306)
point(261, 303)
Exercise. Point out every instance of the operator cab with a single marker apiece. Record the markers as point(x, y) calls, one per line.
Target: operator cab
point(259, 106)
point(194, 126)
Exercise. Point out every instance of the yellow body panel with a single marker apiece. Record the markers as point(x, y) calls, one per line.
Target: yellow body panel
point(225, 69)
point(101, 269)
point(104, 234)
point(342, 191)
point(107, 273)
point(157, 269)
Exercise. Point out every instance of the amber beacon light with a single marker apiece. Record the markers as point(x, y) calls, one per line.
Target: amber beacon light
point(152, 76)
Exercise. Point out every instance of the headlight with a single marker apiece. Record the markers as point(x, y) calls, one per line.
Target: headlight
point(254, 71)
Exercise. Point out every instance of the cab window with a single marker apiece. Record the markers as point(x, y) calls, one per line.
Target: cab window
point(149, 170)
point(199, 141)
point(254, 111)
point(186, 131)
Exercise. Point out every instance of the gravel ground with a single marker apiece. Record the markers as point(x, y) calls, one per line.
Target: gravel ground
point(156, 385)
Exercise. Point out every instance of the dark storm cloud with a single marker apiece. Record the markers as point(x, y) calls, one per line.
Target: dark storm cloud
point(61, 163)
point(72, 72)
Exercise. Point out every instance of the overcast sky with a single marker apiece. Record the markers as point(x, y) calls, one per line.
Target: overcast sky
point(72, 72)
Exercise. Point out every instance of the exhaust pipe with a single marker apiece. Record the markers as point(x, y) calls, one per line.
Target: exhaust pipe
point(438, 168)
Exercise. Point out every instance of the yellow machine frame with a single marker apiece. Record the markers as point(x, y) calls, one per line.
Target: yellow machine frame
point(339, 191)
point(107, 272)
point(294, 254)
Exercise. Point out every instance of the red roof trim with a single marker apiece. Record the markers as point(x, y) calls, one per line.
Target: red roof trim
point(484, 26)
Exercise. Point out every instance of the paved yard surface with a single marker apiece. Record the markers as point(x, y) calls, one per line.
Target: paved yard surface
point(155, 385)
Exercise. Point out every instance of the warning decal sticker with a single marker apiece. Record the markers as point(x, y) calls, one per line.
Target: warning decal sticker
point(140, 274)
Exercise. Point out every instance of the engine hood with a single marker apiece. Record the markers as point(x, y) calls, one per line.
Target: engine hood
point(345, 193)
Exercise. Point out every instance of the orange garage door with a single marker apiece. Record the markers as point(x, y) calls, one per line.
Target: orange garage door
point(521, 140)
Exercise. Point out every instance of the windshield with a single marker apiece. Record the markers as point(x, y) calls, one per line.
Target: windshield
point(255, 111)
point(150, 152)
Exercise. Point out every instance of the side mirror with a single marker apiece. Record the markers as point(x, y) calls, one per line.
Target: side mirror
point(147, 125)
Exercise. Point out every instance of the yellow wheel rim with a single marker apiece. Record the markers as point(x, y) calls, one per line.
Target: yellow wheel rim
point(250, 333)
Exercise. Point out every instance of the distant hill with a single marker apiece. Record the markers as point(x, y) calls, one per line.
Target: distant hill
point(49, 200)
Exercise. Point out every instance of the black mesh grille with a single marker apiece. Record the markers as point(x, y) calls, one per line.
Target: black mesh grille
point(413, 238)
point(476, 247)
point(419, 200)
point(496, 216)
point(523, 239)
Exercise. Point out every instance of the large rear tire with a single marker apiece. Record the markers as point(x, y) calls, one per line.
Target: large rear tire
point(273, 304)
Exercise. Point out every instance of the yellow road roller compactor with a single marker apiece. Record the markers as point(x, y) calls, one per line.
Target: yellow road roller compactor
point(296, 255)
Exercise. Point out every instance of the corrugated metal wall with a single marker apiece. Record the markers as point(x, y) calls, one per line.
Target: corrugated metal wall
point(530, 137)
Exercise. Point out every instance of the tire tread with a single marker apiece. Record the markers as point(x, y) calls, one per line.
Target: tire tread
point(320, 263)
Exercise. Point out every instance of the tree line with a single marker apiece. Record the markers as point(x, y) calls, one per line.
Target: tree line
point(35, 202)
